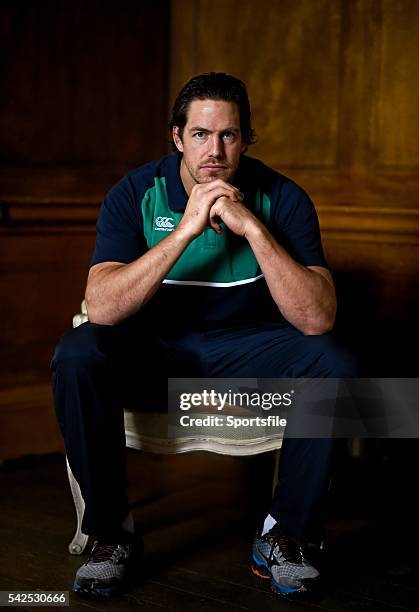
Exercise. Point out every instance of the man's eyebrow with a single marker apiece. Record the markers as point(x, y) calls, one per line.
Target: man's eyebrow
point(197, 128)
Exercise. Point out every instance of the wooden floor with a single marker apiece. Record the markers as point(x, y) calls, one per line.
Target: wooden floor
point(198, 512)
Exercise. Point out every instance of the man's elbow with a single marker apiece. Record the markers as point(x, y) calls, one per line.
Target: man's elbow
point(320, 325)
point(96, 312)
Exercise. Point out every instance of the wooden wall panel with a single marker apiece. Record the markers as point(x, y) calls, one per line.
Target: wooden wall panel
point(42, 278)
point(378, 300)
point(84, 98)
point(42, 281)
point(83, 82)
point(397, 100)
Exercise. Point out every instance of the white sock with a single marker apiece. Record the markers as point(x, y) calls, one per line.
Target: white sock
point(128, 524)
point(268, 524)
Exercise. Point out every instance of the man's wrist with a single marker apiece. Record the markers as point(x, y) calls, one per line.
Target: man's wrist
point(255, 231)
point(182, 235)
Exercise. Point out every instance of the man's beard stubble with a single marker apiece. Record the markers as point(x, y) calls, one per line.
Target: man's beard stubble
point(227, 174)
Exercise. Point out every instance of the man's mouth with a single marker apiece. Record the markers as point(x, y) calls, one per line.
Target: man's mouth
point(213, 167)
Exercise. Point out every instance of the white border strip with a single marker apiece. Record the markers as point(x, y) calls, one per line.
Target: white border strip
point(209, 284)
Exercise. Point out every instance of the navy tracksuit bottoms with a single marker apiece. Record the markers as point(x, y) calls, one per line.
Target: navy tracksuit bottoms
point(98, 369)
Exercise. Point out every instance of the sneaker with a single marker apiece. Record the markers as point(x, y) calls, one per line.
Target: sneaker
point(280, 558)
point(104, 570)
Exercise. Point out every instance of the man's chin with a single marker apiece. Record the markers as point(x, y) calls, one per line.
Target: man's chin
point(208, 177)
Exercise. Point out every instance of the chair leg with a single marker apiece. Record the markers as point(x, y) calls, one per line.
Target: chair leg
point(79, 542)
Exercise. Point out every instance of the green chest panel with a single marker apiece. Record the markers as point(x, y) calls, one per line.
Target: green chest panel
point(211, 258)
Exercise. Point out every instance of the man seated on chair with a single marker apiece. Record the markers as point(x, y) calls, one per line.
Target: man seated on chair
point(207, 263)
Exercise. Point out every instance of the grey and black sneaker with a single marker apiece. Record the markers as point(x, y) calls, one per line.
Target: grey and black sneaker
point(104, 570)
point(280, 558)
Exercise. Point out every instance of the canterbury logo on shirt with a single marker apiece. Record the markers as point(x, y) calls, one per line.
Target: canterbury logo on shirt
point(164, 224)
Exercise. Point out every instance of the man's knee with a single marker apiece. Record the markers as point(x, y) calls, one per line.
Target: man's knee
point(329, 358)
point(89, 341)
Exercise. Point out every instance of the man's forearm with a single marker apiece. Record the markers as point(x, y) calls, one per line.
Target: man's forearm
point(304, 297)
point(118, 291)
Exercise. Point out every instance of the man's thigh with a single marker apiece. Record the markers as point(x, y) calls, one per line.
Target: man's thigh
point(155, 359)
point(273, 350)
point(128, 360)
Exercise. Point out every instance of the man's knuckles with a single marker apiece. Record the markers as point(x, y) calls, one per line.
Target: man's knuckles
point(224, 201)
point(216, 184)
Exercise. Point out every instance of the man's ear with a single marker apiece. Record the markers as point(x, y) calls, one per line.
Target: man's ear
point(177, 139)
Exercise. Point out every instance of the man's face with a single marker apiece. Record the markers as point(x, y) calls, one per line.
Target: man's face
point(211, 143)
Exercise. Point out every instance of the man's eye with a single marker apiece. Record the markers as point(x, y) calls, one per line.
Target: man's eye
point(199, 135)
point(228, 135)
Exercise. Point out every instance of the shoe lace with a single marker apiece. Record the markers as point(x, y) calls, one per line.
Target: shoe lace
point(102, 552)
point(289, 547)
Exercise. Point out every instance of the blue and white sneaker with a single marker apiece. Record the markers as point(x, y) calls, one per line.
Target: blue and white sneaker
point(103, 572)
point(280, 558)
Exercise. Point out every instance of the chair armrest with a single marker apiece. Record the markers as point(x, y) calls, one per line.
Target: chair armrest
point(82, 317)
point(78, 319)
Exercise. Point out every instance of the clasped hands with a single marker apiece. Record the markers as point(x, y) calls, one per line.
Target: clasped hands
point(213, 201)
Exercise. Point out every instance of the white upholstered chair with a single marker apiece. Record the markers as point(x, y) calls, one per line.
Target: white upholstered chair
point(149, 432)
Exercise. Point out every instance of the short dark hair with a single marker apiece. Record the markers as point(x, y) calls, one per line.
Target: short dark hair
point(213, 86)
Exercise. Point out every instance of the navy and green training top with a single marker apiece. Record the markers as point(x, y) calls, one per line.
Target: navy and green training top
point(217, 280)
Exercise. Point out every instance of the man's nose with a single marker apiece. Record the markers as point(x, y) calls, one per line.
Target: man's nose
point(216, 146)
